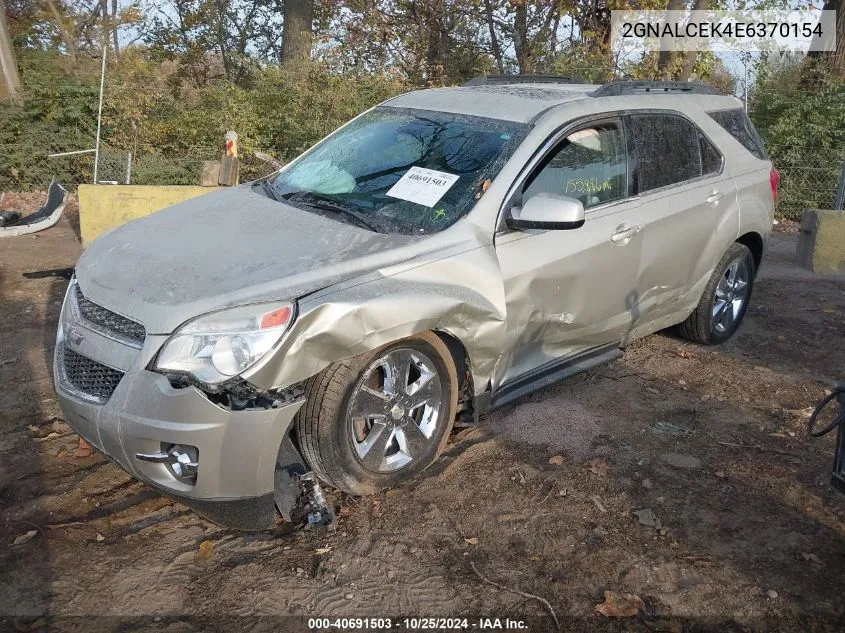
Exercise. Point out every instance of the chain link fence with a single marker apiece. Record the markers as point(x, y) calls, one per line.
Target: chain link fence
point(807, 182)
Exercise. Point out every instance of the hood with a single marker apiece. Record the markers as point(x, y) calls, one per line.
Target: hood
point(227, 248)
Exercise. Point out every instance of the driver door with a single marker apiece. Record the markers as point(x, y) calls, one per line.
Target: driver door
point(568, 291)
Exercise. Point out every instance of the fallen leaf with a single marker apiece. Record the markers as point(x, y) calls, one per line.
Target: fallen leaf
point(62, 452)
point(323, 550)
point(599, 467)
point(486, 184)
point(685, 354)
point(557, 460)
point(720, 474)
point(472, 541)
point(206, 550)
point(620, 605)
point(345, 511)
point(376, 510)
point(82, 453)
point(23, 538)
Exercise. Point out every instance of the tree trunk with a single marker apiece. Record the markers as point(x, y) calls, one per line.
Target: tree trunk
point(834, 60)
point(553, 35)
point(521, 46)
point(8, 64)
point(296, 31)
point(114, 34)
point(691, 56)
point(494, 39)
point(435, 59)
point(66, 35)
point(664, 58)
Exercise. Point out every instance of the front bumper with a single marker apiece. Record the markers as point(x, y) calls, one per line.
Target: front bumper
point(238, 451)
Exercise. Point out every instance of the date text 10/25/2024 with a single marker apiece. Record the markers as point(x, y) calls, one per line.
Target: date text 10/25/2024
point(417, 624)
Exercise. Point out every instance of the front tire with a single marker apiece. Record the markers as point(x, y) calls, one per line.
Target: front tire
point(376, 420)
point(725, 299)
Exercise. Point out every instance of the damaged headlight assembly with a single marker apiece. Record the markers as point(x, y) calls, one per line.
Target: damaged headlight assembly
point(219, 346)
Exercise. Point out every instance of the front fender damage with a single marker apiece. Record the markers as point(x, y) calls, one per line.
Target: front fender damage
point(461, 295)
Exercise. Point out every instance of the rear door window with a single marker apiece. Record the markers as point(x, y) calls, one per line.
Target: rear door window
point(668, 150)
point(737, 124)
point(590, 165)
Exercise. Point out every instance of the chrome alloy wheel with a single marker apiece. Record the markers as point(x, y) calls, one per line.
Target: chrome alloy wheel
point(394, 410)
point(731, 294)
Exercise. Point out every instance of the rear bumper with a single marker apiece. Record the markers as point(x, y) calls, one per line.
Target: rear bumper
point(237, 449)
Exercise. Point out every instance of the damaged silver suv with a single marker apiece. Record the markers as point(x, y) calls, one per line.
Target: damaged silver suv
point(442, 254)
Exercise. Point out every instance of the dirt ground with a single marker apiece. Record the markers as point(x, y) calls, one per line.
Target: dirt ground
point(747, 534)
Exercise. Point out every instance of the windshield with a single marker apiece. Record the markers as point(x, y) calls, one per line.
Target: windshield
point(400, 171)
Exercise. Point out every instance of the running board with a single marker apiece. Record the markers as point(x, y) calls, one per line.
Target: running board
point(551, 373)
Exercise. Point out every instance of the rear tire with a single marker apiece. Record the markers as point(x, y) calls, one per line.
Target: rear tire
point(725, 299)
point(376, 420)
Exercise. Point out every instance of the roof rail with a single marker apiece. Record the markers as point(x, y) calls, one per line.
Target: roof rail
point(498, 80)
point(616, 88)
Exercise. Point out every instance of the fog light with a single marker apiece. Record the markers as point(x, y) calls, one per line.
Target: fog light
point(182, 460)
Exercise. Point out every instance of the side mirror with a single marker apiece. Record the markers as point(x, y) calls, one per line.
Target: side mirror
point(550, 211)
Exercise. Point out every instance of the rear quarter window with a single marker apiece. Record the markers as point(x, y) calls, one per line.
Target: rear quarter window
point(736, 122)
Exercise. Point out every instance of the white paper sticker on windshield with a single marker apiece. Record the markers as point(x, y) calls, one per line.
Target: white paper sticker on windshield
point(423, 186)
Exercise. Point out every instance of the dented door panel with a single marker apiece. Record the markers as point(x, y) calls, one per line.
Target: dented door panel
point(567, 291)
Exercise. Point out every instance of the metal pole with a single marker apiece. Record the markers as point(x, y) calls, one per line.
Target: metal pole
point(81, 151)
point(839, 204)
point(100, 110)
point(128, 168)
point(745, 61)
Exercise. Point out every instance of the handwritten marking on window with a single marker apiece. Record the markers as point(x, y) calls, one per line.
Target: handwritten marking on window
point(587, 185)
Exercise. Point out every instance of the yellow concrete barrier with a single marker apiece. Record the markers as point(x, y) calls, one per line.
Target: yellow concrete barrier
point(821, 247)
point(103, 207)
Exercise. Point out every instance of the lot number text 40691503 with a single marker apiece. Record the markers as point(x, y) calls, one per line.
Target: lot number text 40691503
point(417, 624)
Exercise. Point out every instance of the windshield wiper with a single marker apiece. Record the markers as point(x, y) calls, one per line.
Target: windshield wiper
point(326, 204)
point(268, 189)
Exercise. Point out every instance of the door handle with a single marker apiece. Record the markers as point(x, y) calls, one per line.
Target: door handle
point(714, 198)
point(624, 233)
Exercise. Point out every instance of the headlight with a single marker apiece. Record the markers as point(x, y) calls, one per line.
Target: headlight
point(220, 345)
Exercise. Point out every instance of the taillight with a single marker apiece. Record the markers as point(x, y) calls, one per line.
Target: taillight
point(774, 181)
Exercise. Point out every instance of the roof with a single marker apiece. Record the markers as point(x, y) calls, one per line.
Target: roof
point(523, 102)
point(511, 102)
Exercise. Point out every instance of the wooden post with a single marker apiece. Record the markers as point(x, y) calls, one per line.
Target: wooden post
point(229, 167)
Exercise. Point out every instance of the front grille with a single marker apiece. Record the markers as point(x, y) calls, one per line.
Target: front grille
point(89, 376)
point(108, 320)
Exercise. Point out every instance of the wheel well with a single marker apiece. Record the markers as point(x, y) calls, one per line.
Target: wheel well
point(754, 242)
point(461, 359)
